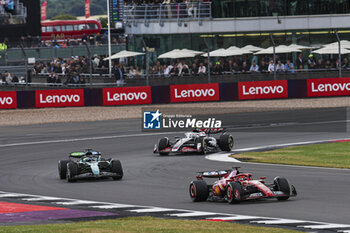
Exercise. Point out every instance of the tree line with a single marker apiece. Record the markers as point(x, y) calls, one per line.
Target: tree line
point(74, 7)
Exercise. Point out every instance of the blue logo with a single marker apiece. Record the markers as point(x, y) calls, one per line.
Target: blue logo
point(152, 120)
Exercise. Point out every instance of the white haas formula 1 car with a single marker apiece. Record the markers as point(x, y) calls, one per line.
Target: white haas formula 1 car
point(198, 141)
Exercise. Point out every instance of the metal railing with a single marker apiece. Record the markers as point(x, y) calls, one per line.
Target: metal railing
point(47, 53)
point(161, 13)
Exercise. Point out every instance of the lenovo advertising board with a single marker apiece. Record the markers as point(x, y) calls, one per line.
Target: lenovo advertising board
point(59, 98)
point(328, 87)
point(8, 99)
point(263, 90)
point(127, 95)
point(194, 93)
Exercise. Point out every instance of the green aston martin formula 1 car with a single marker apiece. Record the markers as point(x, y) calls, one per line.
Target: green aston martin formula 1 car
point(89, 164)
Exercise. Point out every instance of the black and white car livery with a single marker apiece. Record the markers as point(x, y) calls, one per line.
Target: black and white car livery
point(198, 141)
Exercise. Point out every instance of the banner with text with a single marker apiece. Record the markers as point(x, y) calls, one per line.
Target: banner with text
point(194, 93)
point(43, 10)
point(87, 9)
point(328, 87)
point(8, 99)
point(59, 98)
point(263, 90)
point(127, 95)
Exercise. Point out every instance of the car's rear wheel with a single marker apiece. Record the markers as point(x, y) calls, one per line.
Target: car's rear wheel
point(72, 171)
point(162, 144)
point(226, 142)
point(199, 190)
point(281, 184)
point(62, 168)
point(234, 192)
point(201, 140)
point(118, 169)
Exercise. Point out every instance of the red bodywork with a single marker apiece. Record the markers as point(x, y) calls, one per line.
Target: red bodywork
point(219, 188)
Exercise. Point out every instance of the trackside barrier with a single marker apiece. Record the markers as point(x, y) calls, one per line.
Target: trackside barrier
point(228, 91)
point(160, 94)
point(297, 88)
point(194, 93)
point(59, 98)
point(328, 87)
point(8, 100)
point(175, 93)
point(25, 99)
point(93, 97)
point(263, 90)
point(127, 95)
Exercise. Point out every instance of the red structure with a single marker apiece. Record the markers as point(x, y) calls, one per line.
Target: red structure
point(69, 29)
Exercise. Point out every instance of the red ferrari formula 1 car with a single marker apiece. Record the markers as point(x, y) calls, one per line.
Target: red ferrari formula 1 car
point(234, 187)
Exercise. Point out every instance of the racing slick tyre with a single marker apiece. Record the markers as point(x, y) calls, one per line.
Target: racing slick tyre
point(226, 142)
point(117, 168)
point(281, 184)
point(201, 140)
point(234, 192)
point(162, 144)
point(199, 190)
point(62, 168)
point(72, 170)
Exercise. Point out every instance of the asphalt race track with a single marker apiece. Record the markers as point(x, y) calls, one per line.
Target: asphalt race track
point(29, 156)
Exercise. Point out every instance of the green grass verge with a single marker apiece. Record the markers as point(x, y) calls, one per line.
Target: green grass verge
point(143, 224)
point(335, 155)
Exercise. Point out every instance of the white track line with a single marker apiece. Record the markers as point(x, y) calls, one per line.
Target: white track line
point(222, 157)
point(278, 221)
point(235, 218)
point(41, 199)
point(113, 206)
point(325, 226)
point(152, 210)
point(287, 144)
point(193, 214)
point(85, 139)
point(76, 202)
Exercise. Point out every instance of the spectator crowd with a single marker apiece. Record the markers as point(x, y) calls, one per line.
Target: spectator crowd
point(244, 65)
point(35, 42)
point(168, 8)
point(75, 69)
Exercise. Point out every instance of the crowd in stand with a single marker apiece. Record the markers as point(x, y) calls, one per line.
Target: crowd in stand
point(9, 78)
point(140, 2)
point(34, 42)
point(168, 8)
point(66, 71)
point(244, 65)
point(71, 71)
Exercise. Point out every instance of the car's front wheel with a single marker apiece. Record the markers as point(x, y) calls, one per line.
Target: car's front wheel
point(72, 171)
point(226, 142)
point(281, 184)
point(162, 144)
point(116, 167)
point(201, 141)
point(62, 168)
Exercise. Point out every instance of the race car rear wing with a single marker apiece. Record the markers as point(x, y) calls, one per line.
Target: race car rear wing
point(215, 174)
point(77, 154)
point(212, 174)
point(212, 130)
